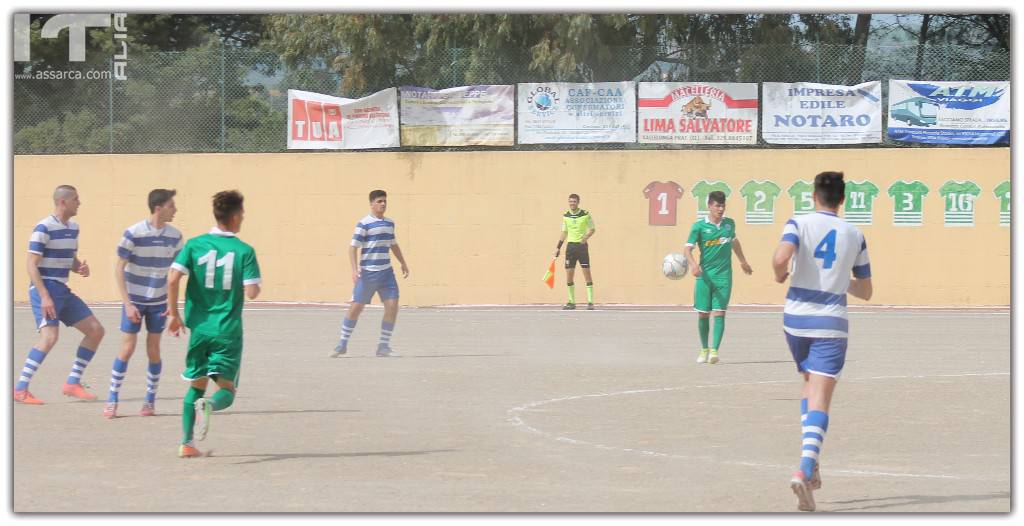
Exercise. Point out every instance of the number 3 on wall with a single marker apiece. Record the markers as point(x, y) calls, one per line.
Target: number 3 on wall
point(826, 250)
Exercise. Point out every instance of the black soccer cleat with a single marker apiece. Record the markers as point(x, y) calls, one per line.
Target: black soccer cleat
point(590, 306)
point(569, 306)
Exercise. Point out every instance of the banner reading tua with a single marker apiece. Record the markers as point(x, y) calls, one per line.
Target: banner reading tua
point(463, 116)
point(967, 112)
point(564, 112)
point(317, 121)
point(810, 113)
point(697, 113)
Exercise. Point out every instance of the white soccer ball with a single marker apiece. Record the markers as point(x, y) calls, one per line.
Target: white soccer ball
point(674, 266)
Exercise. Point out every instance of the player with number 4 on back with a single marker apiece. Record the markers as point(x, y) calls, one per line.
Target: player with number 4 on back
point(221, 268)
point(825, 250)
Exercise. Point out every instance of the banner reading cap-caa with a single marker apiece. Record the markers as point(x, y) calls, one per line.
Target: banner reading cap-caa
point(967, 112)
point(317, 121)
point(697, 113)
point(811, 113)
point(566, 112)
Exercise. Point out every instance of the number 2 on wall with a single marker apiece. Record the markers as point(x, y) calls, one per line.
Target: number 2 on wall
point(826, 250)
point(211, 261)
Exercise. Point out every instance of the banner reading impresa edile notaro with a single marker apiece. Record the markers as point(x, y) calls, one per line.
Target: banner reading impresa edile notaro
point(323, 122)
point(967, 112)
point(462, 116)
point(810, 113)
point(565, 112)
point(697, 113)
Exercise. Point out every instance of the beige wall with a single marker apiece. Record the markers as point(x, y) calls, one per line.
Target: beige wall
point(481, 227)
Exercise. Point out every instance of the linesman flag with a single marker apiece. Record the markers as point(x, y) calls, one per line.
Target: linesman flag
point(549, 276)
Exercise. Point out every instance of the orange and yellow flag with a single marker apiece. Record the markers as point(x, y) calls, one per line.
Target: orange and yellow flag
point(549, 276)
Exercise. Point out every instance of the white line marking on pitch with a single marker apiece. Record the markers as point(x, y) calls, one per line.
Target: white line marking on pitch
point(517, 421)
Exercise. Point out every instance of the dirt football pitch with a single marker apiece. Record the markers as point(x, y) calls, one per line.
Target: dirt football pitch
point(531, 409)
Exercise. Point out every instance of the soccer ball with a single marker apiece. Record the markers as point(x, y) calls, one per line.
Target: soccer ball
point(674, 266)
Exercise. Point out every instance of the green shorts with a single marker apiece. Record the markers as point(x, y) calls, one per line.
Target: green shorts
point(213, 355)
point(711, 293)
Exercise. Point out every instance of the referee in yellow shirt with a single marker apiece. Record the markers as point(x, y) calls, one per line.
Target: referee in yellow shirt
point(578, 227)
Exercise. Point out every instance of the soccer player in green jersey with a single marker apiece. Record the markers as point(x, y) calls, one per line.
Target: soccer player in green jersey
point(716, 237)
point(578, 227)
point(222, 269)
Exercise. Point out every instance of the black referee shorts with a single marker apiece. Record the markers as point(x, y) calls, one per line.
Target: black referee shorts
point(577, 252)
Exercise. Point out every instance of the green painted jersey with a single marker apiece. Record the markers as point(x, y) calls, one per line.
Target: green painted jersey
point(701, 191)
point(760, 196)
point(218, 265)
point(715, 245)
point(958, 198)
point(802, 193)
point(908, 202)
point(1003, 194)
point(577, 224)
point(859, 200)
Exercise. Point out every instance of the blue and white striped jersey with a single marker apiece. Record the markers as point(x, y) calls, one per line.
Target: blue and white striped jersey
point(57, 243)
point(828, 251)
point(375, 237)
point(150, 252)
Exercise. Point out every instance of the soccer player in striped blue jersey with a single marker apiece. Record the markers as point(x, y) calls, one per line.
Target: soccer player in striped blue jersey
point(373, 274)
point(825, 250)
point(144, 256)
point(52, 256)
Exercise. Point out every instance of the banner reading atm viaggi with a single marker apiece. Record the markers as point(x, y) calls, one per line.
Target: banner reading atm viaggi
point(697, 113)
point(462, 116)
point(967, 112)
point(317, 121)
point(810, 113)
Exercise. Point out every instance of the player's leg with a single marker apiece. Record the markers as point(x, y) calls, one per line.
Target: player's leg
point(585, 265)
point(362, 293)
point(49, 330)
point(721, 290)
point(570, 273)
point(702, 304)
point(224, 361)
point(799, 347)
point(129, 338)
point(155, 323)
point(92, 334)
point(387, 328)
point(196, 366)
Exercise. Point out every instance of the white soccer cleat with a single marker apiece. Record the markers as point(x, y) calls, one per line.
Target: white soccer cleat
point(203, 409)
point(703, 356)
point(802, 488)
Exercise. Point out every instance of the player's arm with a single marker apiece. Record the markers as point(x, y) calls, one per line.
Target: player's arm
point(46, 302)
point(860, 285)
point(252, 291)
point(780, 261)
point(688, 251)
point(561, 240)
point(251, 277)
point(736, 248)
point(80, 267)
point(401, 259)
point(353, 259)
point(174, 324)
point(590, 231)
point(130, 310)
point(861, 288)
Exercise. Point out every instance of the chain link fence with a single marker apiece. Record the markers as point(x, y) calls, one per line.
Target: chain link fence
point(220, 99)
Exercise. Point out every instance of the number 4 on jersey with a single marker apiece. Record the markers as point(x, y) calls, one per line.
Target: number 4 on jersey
point(826, 250)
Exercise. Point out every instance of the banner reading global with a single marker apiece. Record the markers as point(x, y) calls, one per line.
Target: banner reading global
point(968, 112)
point(564, 112)
point(462, 116)
point(697, 113)
point(810, 113)
point(317, 121)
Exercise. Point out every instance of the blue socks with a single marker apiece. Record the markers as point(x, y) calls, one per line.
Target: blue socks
point(385, 334)
point(347, 326)
point(814, 428)
point(32, 363)
point(153, 381)
point(116, 379)
point(81, 362)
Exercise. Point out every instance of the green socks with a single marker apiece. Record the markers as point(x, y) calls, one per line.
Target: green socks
point(222, 399)
point(590, 293)
point(719, 331)
point(188, 413)
point(703, 328)
point(572, 292)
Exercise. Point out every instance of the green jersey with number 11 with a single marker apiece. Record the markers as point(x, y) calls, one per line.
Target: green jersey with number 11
point(219, 266)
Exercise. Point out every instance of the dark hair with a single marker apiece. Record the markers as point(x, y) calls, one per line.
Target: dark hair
point(830, 188)
point(226, 204)
point(159, 197)
point(62, 192)
point(574, 196)
point(377, 193)
point(717, 196)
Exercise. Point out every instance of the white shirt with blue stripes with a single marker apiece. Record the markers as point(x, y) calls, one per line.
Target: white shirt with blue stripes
point(828, 251)
point(149, 252)
point(375, 236)
point(57, 243)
